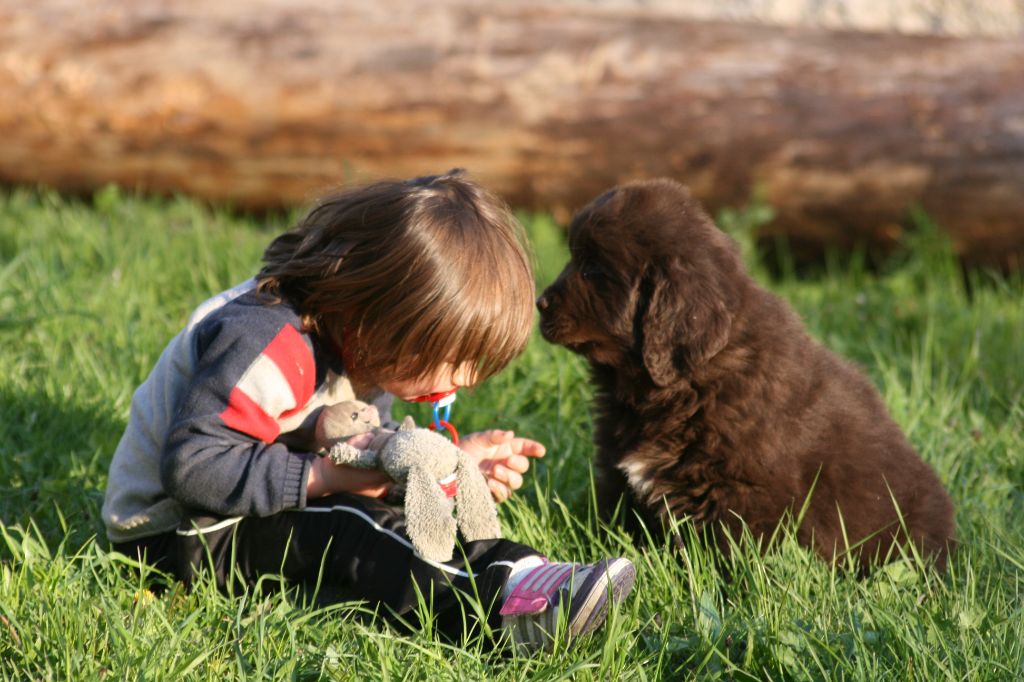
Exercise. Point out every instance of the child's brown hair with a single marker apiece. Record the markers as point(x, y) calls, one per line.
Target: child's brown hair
point(407, 275)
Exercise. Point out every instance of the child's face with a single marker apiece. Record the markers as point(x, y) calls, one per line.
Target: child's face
point(445, 379)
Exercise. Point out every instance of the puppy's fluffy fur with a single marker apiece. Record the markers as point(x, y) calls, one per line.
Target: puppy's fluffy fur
point(712, 401)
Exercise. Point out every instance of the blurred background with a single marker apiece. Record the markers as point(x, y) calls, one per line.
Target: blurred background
point(839, 120)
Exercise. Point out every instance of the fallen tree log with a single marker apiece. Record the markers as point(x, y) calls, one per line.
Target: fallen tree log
point(267, 102)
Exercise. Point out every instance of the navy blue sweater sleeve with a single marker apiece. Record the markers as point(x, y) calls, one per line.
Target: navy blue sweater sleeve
point(252, 366)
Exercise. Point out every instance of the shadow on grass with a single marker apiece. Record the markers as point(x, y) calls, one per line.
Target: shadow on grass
point(53, 463)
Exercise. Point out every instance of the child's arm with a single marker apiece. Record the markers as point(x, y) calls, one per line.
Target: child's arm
point(326, 478)
point(252, 366)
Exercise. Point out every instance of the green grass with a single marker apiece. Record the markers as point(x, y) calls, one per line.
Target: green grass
point(91, 291)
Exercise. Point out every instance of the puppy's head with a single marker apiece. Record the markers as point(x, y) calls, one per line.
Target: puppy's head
point(651, 281)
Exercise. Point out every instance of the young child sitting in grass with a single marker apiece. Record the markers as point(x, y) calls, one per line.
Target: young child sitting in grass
point(395, 289)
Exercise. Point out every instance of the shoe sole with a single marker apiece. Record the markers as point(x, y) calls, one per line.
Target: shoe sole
point(619, 574)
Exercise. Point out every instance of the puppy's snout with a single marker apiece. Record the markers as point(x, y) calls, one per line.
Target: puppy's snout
point(542, 303)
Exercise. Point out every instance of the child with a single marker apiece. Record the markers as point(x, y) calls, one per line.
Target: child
point(406, 289)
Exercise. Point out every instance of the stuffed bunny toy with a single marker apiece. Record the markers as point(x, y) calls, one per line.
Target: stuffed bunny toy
point(438, 476)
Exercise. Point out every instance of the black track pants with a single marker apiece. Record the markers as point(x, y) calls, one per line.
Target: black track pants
point(340, 548)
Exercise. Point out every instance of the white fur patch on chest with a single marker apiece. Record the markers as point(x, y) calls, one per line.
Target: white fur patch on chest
point(638, 474)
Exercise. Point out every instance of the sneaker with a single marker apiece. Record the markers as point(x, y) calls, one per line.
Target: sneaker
point(532, 610)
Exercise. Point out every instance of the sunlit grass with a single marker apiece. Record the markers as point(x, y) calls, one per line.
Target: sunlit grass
point(91, 291)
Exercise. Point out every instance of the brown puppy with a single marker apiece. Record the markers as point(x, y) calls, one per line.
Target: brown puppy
point(712, 401)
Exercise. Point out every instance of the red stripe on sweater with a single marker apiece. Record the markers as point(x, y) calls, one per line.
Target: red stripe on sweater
point(245, 415)
point(292, 356)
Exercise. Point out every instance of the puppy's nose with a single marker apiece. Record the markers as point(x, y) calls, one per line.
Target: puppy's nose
point(542, 303)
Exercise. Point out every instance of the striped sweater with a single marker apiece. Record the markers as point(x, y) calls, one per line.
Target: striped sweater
point(224, 422)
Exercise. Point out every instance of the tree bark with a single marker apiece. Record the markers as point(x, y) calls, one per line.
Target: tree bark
point(269, 102)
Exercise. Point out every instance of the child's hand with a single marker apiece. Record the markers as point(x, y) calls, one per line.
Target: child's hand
point(503, 458)
point(327, 478)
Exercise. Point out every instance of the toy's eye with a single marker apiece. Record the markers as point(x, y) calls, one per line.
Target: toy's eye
point(355, 416)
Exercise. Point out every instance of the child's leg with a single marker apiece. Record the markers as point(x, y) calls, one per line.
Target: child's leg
point(357, 549)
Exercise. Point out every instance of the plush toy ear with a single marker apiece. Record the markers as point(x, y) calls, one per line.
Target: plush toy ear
point(428, 516)
point(478, 519)
point(682, 329)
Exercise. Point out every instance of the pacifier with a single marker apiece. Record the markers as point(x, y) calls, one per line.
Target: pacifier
point(442, 406)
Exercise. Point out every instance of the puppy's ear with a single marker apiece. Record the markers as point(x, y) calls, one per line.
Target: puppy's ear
point(682, 329)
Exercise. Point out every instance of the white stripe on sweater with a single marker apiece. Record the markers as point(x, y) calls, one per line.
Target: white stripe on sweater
point(265, 384)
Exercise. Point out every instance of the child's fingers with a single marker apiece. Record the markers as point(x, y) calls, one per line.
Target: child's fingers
point(515, 481)
point(528, 447)
point(505, 475)
point(500, 436)
point(360, 441)
point(499, 490)
point(518, 463)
